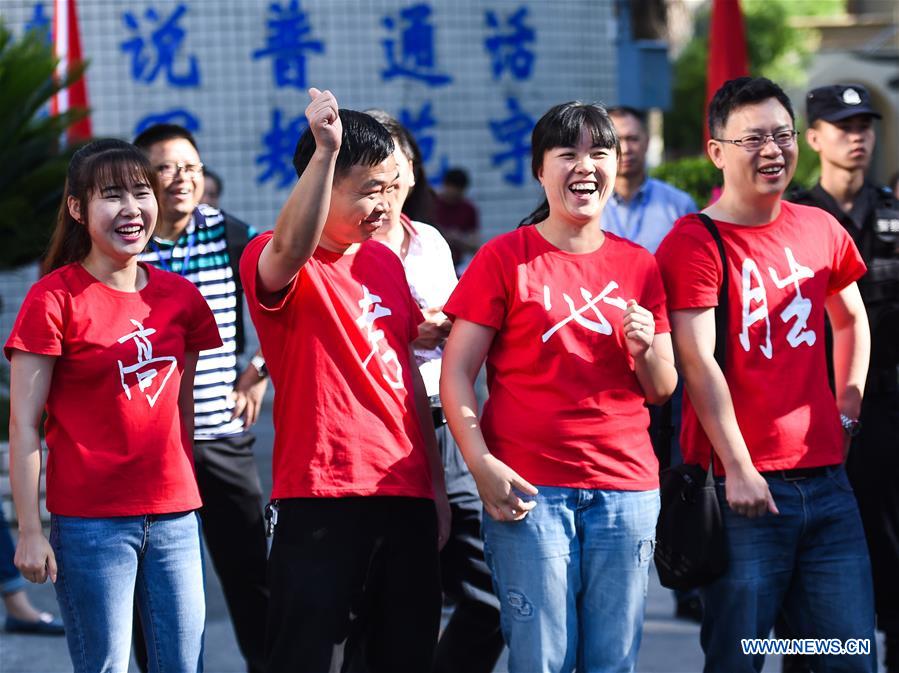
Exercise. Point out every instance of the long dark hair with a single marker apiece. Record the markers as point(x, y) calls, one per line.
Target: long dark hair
point(419, 201)
point(97, 164)
point(561, 126)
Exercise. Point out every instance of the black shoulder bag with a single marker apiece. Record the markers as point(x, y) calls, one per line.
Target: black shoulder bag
point(690, 545)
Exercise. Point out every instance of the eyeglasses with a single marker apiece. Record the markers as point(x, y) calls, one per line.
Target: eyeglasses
point(758, 141)
point(170, 170)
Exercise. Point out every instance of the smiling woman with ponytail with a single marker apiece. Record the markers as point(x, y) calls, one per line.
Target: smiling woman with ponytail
point(107, 347)
point(562, 457)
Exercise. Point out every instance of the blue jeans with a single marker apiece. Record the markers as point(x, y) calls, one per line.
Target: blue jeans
point(104, 563)
point(11, 580)
point(811, 560)
point(571, 578)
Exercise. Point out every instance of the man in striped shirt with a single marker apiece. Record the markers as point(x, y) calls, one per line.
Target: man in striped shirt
point(193, 239)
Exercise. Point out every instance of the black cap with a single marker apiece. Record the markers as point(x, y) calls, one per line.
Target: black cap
point(838, 101)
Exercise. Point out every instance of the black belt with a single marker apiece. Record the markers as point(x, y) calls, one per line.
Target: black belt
point(437, 415)
point(798, 473)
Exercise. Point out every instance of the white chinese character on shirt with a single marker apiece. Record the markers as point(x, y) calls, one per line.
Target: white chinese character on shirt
point(800, 308)
point(372, 309)
point(147, 368)
point(601, 325)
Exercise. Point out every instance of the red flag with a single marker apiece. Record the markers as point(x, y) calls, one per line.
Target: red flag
point(727, 47)
point(67, 46)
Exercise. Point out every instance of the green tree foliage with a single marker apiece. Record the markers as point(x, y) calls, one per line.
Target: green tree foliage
point(775, 50)
point(32, 165)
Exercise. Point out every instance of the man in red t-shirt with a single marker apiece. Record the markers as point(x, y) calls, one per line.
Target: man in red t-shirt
point(794, 536)
point(353, 570)
point(457, 217)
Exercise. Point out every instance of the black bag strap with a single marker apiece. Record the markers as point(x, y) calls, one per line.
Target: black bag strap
point(721, 311)
point(723, 299)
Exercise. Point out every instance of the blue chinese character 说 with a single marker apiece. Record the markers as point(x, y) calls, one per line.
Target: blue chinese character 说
point(288, 43)
point(39, 22)
point(166, 40)
point(419, 125)
point(513, 131)
point(509, 49)
point(178, 116)
point(279, 144)
point(416, 58)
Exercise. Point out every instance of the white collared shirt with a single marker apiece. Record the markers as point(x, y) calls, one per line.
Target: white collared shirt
point(432, 279)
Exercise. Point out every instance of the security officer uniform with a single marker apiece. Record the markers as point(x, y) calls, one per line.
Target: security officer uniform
point(873, 463)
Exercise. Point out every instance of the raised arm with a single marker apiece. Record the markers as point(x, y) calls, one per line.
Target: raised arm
point(463, 356)
point(301, 220)
point(851, 348)
point(694, 341)
point(30, 377)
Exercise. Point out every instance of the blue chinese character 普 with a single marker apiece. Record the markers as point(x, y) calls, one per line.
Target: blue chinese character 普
point(39, 21)
point(165, 42)
point(279, 144)
point(178, 116)
point(509, 48)
point(513, 131)
point(288, 43)
point(412, 55)
point(419, 125)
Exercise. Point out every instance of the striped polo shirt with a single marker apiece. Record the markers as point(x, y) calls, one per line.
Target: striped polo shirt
point(204, 245)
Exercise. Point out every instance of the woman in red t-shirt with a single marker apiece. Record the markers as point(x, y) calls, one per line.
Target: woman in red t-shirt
point(108, 348)
point(572, 323)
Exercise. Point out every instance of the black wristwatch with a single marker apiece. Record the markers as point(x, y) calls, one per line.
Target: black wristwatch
point(851, 426)
point(258, 363)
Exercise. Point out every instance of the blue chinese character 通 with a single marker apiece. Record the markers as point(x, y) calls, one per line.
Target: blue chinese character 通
point(288, 43)
point(178, 116)
point(418, 126)
point(416, 59)
point(167, 39)
point(39, 22)
point(513, 131)
point(279, 144)
point(508, 49)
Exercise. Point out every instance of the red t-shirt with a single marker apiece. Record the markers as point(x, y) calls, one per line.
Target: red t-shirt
point(336, 343)
point(565, 406)
point(780, 275)
point(459, 216)
point(114, 434)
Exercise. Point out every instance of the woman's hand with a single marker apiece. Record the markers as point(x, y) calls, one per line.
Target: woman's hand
point(639, 329)
point(35, 558)
point(497, 483)
point(434, 330)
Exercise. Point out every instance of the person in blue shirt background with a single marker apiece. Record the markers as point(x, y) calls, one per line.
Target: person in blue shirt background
point(642, 209)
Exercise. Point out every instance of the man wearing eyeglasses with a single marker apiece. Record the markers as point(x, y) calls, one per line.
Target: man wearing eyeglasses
point(793, 533)
point(841, 130)
point(204, 245)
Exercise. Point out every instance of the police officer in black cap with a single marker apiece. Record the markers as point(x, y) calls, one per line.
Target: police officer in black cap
point(841, 131)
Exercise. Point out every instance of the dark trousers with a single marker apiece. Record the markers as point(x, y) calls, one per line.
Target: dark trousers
point(873, 468)
point(355, 586)
point(234, 531)
point(472, 640)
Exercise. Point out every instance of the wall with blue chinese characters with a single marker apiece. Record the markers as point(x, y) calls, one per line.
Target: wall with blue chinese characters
point(468, 77)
